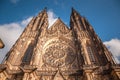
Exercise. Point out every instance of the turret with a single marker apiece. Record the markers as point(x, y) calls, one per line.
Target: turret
point(85, 35)
point(27, 41)
point(76, 20)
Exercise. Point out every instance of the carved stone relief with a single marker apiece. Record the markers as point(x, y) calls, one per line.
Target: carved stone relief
point(58, 54)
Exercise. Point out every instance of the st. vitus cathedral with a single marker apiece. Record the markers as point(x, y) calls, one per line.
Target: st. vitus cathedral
point(59, 52)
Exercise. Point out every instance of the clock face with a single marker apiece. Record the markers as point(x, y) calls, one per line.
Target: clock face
point(58, 54)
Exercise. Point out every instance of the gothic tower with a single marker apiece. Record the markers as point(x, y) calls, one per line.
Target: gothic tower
point(59, 52)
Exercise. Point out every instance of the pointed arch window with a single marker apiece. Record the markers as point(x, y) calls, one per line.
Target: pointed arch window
point(90, 53)
point(28, 54)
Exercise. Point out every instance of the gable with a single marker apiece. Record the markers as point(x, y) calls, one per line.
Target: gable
point(58, 27)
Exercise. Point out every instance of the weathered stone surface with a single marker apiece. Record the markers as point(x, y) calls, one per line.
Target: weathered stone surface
point(59, 52)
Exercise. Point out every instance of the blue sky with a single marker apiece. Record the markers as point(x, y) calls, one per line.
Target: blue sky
point(103, 15)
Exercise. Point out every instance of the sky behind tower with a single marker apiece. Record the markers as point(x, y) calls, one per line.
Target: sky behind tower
point(103, 15)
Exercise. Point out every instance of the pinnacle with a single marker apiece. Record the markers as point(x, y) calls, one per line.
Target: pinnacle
point(73, 9)
point(45, 9)
point(75, 12)
point(58, 17)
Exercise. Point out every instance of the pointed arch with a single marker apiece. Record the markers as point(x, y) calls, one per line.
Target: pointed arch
point(28, 54)
point(58, 76)
point(90, 52)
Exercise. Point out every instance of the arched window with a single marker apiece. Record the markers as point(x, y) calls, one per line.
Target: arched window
point(28, 54)
point(90, 54)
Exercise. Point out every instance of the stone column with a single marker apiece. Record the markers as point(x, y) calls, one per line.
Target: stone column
point(26, 76)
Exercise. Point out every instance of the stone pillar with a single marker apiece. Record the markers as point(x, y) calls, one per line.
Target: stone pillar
point(26, 76)
point(89, 76)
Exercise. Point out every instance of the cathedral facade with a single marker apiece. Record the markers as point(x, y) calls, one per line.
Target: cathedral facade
point(59, 52)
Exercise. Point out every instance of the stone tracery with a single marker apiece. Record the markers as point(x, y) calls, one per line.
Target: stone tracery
point(58, 54)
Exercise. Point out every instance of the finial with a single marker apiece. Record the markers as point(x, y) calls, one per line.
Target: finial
point(58, 17)
point(73, 9)
point(45, 8)
point(75, 12)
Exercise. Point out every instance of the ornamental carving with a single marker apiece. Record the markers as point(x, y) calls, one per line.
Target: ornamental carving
point(58, 54)
point(58, 28)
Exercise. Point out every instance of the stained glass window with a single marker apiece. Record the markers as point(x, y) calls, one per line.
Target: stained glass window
point(90, 53)
point(28, 54)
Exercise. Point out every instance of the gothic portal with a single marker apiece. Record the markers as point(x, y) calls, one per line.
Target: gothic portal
point(59, 52)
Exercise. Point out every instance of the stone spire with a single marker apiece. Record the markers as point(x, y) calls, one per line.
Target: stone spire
point(76, 20)
point(89, 41)
point(59, 52)
point(28, 40)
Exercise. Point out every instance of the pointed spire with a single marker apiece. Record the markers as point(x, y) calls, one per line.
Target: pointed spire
point(45, 9)
point(58, 17)
point(42, 16)
point(72, 8)
point(76, 20)
point(74, 12)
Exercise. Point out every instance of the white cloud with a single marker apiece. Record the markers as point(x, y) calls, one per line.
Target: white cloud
point(114, 46)
point(51, 18)
point(26, 21)
point(9, 33)
point(14, 1)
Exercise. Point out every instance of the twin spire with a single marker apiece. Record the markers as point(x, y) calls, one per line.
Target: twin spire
point(43, 14)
